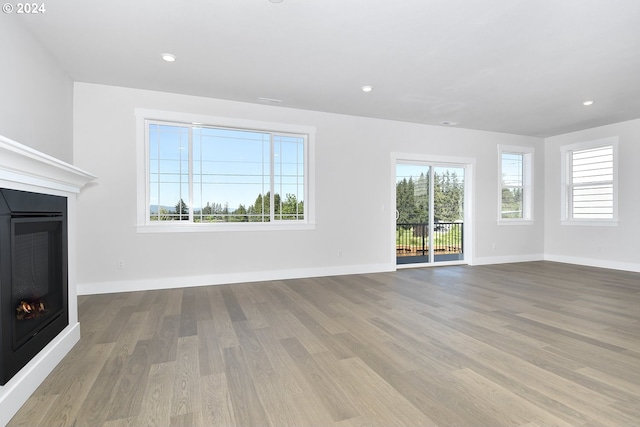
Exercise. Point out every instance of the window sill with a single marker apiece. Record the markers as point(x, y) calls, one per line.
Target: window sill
point(206, 228)
point(515, 222)
point(591, 223)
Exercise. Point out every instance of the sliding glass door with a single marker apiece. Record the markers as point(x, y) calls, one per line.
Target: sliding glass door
point(429, 212)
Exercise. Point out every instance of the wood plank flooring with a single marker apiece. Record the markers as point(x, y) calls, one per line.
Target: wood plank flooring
point(529, 344)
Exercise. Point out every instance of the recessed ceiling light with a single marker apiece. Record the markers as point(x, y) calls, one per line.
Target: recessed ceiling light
point(367, 88)
point(168, 57)
point(448, 123)
point(275, 1)
point(587, 102)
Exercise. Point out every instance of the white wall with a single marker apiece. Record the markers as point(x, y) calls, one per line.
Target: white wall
point(611, 247)
point(36, 94)
point(351, 153)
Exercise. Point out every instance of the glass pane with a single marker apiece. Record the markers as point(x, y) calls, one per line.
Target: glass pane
point(412, 193)
point(448, 188)
point(512, 205)
point(168, 172)
point(288, 155)
point(448, 213)
point(512, 170)
point(512, 185)
point(412, 216)
point(231, 177)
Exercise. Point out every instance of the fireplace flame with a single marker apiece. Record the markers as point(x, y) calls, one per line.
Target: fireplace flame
point(30, 310)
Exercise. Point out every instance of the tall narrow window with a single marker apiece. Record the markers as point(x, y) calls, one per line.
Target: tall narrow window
point(516, 184)
point(200, 174)
point(590, 181)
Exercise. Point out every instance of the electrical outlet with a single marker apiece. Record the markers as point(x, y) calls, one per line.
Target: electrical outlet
point(339, 253)
point(120, 264)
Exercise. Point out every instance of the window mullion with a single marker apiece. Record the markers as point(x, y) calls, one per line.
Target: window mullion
point(526, 214)
point(272, 197)
point(190, 163)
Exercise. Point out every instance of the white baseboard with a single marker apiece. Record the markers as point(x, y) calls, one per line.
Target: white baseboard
point(592, 262)
point(261, 276)
point(507, 259)
point(226, 278)
point(19, 388)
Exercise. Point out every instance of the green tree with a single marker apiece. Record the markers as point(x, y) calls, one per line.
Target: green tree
point(163, 214)
point(182, 210)
point(216, 212)
point(405, 200)
point(511, 203)
point(240, 214)
point(224, 213)
point(421, 195)
point(457, 196)
point(290, 207)
point(260, 209)
point(277, 204)
point(448, 197)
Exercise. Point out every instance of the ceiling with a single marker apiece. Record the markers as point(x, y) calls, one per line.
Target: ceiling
point(514, 66)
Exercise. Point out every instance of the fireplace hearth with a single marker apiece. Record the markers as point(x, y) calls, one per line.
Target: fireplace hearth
point(33, 275)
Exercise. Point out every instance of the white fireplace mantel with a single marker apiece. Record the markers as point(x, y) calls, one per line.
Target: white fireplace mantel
point(26, 166)
point(26, 169)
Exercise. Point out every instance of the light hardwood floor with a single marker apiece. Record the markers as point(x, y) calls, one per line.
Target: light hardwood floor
point(530, 344)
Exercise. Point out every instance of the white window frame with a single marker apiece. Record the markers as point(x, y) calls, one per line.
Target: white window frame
point(143, 222)
point(527, 154)
point(566, 184)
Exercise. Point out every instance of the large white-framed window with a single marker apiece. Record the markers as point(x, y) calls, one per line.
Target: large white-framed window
point(589, 192)
point(203, 173)
point(515, 187)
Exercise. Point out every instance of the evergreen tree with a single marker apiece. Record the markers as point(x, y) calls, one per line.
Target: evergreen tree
point(225, 212)
point(458, 198)
point(182, 211)
point(277, 204)
point(438, 197)
point(207, 210)
point(290, 207)
point(240, 214)
point(260, 208)
point(421, 193)
point(405, 201)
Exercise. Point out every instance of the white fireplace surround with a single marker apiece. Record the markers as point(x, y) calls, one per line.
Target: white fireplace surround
point(23, 168)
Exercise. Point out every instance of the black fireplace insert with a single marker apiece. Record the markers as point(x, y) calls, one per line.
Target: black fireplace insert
point(33, 275)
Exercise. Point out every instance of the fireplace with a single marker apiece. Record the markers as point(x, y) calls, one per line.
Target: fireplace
point(25, 170)
point(33, 275)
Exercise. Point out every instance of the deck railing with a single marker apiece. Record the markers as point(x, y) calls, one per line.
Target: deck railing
point(412, 239)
